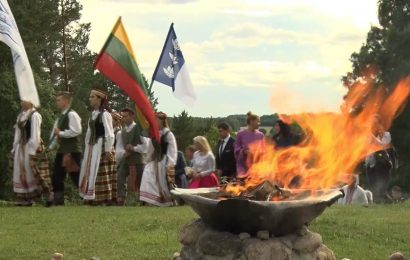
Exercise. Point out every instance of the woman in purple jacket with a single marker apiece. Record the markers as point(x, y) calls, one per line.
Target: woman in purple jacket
point(243, 141)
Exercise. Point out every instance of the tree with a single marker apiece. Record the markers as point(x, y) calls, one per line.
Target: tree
point(386, 57)
point(41, 28)
point(183, 129)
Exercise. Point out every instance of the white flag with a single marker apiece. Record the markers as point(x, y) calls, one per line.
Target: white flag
point(10, 35)
point(172, 70)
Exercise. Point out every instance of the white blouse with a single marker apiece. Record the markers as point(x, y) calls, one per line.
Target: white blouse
point(172, 149)
point(35, 135)
point(74, 128)
point(383, 140)
point(204, 164)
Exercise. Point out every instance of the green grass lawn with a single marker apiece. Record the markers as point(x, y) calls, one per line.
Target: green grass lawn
point(80, 232)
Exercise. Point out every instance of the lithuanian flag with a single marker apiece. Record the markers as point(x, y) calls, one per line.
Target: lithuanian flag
point(117, 62)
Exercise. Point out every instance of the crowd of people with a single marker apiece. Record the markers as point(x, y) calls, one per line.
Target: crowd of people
point(118, 159)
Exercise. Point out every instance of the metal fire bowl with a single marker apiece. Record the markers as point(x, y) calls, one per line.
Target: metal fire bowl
point(238, 215)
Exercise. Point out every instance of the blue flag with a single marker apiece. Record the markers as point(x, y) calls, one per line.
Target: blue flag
point(172, 71)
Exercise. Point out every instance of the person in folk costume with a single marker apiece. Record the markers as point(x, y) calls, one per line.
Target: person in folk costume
point(116, 124)
point(159, 173)
point(354, 194)
point(66, 133)
point(129, 153)
point(31, 175)
point(98, 177)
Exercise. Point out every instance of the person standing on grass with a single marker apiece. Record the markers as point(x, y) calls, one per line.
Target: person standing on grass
point(243, 141)
point(180, 175)
point(116, 124)
point(98, 177)
point(283, 136)
point(129, 149)
point(225, 155)
point(159, 173)
point(31, 175)
point(66, 133)
point(203, 165)
point(189, 155)
point(379, 164)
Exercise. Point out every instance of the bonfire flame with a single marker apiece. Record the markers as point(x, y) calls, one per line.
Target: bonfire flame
point(334, 143)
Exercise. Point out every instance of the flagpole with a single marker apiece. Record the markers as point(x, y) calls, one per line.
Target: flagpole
point(162, 52)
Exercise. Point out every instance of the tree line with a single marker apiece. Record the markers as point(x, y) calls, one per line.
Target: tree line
point(56, 44)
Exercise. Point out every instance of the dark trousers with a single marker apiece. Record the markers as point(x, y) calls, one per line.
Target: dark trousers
point(60, 172)
point(379, 179)
point(122, 177)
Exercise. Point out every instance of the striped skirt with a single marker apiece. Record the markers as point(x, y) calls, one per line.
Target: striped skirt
point(40, 170)
point(106, 182)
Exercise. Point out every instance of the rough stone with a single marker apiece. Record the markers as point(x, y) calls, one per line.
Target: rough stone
point(324, 253)
point(219, 243)
point(191, 232)
point(303, 256)
point(243, 236)
point(271, 249)
point(263, 234)
point(279, 251)
point(212, 257)
point(188, 253)
point(214, 245)
point(288, 240)
point(397, 256)
point(257, 250)
point(308, 243)
point(302, 231)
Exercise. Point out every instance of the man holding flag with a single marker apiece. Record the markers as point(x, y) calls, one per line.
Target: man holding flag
point(117, 62)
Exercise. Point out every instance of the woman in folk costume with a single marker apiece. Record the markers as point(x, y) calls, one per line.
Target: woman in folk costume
point(31, 174)
point(98, 174)
point(203, 165)
point(159, 173)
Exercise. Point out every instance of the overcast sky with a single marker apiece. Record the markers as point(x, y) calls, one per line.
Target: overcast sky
point(267, 56)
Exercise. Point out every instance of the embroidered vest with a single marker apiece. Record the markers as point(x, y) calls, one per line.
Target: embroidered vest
point(25, 128)
point(96, 129)
point(133, 138)
point(68, 145)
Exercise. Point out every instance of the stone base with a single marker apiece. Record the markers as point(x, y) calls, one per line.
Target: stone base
point(202, 242)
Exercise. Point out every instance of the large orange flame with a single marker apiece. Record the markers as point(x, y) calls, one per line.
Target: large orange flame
point(334, 143)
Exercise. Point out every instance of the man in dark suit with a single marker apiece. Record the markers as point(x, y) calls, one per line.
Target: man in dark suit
point(225, 157)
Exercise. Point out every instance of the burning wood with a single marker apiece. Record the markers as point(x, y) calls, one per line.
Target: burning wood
point(265, 191)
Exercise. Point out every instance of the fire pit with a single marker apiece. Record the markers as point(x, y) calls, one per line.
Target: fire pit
point(240, 214)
